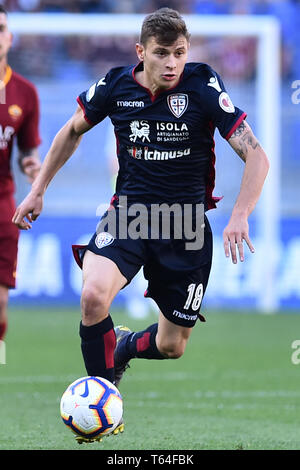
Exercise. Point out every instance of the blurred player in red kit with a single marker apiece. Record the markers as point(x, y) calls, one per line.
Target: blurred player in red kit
point(19, 118)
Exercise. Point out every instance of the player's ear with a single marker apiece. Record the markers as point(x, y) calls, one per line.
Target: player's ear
point(140, 51)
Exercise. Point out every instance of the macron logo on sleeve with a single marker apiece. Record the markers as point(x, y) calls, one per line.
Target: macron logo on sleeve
point(101, 82)
point(213, 82)
point(91, 91)
point(224, 99)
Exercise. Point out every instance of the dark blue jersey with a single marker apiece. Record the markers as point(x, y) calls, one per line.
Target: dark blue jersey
point(165, 143)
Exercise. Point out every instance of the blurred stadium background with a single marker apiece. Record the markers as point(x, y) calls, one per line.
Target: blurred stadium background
point(63, 66)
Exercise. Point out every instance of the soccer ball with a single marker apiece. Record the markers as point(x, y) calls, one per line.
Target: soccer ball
point(91, 407)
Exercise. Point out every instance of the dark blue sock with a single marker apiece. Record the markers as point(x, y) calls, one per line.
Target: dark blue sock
point(141, 344)
point(97, 345)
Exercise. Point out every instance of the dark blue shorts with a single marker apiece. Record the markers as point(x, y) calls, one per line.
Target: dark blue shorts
point(177, 278)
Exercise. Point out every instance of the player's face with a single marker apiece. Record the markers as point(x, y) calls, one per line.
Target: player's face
point(163, 65)
point(5, 36)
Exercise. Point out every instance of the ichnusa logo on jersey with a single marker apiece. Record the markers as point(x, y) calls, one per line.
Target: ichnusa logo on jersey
point(144, 153)
point(178, 104)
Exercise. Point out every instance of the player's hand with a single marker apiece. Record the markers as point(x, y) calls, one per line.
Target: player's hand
point(31, 167)
point(29, 209)
point(234, 235)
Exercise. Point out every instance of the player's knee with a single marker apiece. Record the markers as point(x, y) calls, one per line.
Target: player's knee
point(95, 304)
point(3, 304)
point(171, 350)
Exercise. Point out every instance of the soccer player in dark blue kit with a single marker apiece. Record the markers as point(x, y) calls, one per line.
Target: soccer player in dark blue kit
point(164, 111)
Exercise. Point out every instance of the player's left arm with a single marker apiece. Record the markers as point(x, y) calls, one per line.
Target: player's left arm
point(246, 145)
point(29, 163)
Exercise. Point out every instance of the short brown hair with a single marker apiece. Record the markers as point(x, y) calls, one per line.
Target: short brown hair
point(166, 25)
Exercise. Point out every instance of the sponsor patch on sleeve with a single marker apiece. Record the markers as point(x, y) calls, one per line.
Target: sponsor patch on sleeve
point(226, 103)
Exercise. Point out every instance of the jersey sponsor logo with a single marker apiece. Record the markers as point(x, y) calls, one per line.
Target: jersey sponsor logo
point(139, 130)
point(213, 82)
point(103, 239)
point(144, 153)
point(171, 126)
point(184, 316)
point(131, 104)
point(158, 155)
point(15, 111)
point(178, 104)
point(172, 132)
point(5, 136)
point(226, 103)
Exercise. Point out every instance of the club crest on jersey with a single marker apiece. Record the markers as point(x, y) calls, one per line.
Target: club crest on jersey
point(15, 111)
point(226, 103)
point(103, 239)
point(178, 104)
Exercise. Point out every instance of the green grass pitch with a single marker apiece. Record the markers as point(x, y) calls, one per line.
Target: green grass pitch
point(235, 387)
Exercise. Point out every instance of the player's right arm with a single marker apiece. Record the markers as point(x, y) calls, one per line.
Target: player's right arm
point(63, 146)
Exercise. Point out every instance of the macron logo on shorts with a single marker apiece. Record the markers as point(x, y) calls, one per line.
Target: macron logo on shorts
point(185, 316)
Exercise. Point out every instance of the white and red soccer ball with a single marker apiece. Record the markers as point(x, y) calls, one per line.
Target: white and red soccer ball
point(91, 407)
